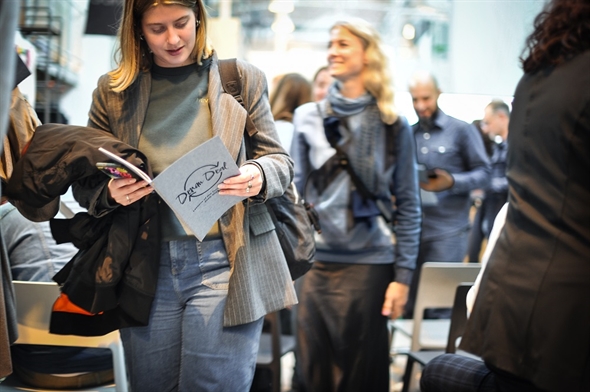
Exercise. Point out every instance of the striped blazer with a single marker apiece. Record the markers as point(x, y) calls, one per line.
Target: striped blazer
point(259, 282)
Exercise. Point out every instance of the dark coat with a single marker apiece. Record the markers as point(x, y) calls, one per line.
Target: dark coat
point(532, 314)
point(113, 276)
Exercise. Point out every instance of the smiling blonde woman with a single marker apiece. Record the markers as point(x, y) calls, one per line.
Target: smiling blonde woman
point(360, 278)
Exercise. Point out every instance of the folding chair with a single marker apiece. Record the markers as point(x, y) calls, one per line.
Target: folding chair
point(436, 289)
point(34, 301)
point(457, 327)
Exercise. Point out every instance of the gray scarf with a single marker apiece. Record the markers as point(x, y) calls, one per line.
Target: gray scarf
point(361, 153)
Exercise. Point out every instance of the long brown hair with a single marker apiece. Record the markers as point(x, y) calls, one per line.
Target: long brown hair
point(292, 91)
point(562, 31)
point(133, 54)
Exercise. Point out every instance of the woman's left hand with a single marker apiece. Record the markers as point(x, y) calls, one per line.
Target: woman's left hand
point(396, 297)
point(248, 183)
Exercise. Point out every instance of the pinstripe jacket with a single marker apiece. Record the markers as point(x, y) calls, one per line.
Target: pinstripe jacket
point(259, 282)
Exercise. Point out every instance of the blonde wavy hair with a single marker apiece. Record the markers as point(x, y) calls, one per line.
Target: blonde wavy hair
point(133, 56)
point(376, 77)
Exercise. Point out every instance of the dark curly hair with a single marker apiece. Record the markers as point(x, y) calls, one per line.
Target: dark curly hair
point(562, 31)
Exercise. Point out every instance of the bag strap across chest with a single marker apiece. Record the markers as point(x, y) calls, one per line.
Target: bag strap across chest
point(232, 84)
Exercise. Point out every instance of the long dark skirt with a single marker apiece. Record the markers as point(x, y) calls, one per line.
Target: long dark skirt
point(342, 336)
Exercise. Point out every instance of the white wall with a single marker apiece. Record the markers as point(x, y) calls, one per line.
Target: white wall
point(487, 38)
point(225, 35)
point(97, 59)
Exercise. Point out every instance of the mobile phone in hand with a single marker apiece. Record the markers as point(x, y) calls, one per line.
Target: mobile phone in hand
point(424, 174)
point(431, 173)
point(114, 170)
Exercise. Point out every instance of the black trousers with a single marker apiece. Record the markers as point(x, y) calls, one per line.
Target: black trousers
point(342, 338)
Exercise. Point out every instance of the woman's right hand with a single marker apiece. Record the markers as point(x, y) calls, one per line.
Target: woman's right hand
point(128, 190)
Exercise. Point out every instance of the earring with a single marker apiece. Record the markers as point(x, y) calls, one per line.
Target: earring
point(141, 37)
point(198, 22)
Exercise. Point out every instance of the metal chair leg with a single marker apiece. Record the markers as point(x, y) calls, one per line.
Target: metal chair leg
point(408, 374)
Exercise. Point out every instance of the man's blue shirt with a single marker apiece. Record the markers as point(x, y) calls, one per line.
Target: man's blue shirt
point(455, 146)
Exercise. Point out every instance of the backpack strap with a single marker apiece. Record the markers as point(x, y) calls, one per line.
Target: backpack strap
point(232, 84)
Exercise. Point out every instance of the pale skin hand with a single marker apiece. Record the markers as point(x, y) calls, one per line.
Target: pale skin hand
point(126, 191)
point(443, 181)
point(396, 297)
point(247, 183)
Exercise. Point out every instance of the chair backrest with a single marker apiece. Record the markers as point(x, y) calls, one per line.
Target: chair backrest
point(34, 301)
point(436, 289)
point(458, 317)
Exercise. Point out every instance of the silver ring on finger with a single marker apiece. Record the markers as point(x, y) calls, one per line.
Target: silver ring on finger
point(249, 184)
point(248, 190)
point(128, 200)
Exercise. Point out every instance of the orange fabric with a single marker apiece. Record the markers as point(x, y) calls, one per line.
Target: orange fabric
point(63, 304)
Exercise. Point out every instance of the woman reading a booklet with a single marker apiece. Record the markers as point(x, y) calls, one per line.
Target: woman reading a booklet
point(165, 98)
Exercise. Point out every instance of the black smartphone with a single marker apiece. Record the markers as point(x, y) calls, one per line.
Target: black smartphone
point(424, 174)
point(114, 170)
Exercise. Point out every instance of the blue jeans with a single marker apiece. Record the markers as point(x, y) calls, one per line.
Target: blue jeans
point(185, 346)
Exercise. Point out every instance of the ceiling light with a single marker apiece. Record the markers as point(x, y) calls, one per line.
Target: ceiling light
point(409, 31)
point(281, 6)
point(283, 24)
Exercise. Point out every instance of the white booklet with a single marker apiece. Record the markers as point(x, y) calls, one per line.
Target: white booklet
point(189, 185)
